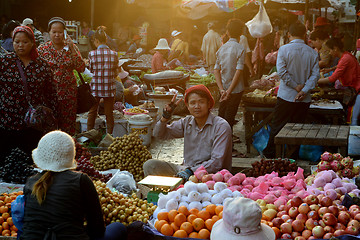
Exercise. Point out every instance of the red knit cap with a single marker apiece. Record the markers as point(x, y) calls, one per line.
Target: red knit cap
point(202, 88)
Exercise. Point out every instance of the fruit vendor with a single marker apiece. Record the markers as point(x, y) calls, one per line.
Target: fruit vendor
point(207, 138)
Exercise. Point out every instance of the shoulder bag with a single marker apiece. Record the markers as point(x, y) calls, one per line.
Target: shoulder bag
point(40, 117)
point(85, 100)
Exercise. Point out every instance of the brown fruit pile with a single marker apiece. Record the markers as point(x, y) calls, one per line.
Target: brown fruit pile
point(265, 166)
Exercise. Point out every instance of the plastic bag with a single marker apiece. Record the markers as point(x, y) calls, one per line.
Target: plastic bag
point(260, 25)
point(261, 138)
point(17, 212)
point(122, 181)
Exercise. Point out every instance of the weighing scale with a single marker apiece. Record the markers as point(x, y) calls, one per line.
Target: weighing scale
point(159, 184)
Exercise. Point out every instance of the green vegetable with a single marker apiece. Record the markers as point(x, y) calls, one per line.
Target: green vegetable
point(86, 78)
point(196, 79)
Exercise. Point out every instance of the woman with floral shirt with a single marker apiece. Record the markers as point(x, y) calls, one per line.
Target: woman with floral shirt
point(63, 57)
point(13, 101)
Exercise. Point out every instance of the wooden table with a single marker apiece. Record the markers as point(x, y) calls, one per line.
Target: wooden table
point(258, 115)
point(296, 134)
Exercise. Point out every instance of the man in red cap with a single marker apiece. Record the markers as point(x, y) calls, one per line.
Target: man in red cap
point(207, 138)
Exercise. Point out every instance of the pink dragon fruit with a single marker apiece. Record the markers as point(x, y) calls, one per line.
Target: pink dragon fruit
point(347, 162)
point(335, 165)
point(324, 165)
point(326, 156)
point(337, 156)
point(347, 172)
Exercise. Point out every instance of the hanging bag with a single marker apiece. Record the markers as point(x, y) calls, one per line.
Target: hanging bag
point(85, 100)
point(260, 25)
point(40, 117)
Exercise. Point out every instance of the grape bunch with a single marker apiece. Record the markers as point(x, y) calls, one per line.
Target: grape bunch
point(81, 151)
point(17, 167)
point(84, 165)
point(265, 166)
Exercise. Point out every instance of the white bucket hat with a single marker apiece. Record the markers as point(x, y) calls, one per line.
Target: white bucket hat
point(162, 45)
point(241, 221)
point(175, 33)
point(27, 21)
point(55, 152)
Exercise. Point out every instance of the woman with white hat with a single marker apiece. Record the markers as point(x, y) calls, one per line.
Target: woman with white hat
point(158, 62)
point(58, 200)
point(241, 221)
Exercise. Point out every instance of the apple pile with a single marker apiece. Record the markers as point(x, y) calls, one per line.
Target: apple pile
point(328, 183)
point(315, 217)
point(343, 166)
point(262, 167)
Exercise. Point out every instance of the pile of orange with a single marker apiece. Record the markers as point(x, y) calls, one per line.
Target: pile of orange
point(191, 223)
point(7, 227)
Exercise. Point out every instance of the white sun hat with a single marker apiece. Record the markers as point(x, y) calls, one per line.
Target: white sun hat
point(175, 33)
point(27, 21)
point(55, 152)
point(162, 45)
point(241, 221)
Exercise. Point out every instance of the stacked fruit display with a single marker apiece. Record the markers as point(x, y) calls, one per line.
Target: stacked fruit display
point(17, 167)
point(343, 166)
point(312, 218)
point(183, 223)
point(126, 153)
point(117, 208)
point(7, 227)
point(262, 167)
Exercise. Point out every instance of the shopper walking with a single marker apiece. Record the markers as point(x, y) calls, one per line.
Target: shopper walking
point(63, 57)
point(13, 101)
point(59, 200)
point(104, 66)
point(210, 44)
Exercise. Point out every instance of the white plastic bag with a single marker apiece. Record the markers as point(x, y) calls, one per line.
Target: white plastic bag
point(122, 181)
point(260, 25)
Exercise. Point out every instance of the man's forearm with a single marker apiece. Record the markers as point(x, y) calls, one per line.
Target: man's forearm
point(218, 79)
point(235, 81)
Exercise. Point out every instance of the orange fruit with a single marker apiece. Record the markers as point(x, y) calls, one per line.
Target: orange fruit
point(215, 218)
point(193, 211)
point(13, 228)
point(1, 220)
point(6, 232)
point(204, 234)
point(5, 215)
point(277, 232)
point(218, 209)
point(172, 214)
point(211, 209)
point(198, 224)
point(179, 219)
point(193, 235)
point(4, 209)
point(13, 234)
point(184, 210)
point(209, 224)
point(163, 216)
point(159, 224)
point(2, 203)
point(167, 230)
point(191, 218)
point(5, 226)
point(203, 214)
point(10, 221)
point(180, 234)
point(188, 227)
point(7, 200)
point(173, 225)
point(220, 214)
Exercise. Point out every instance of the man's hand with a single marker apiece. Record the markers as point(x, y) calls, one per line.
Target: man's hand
point(169, 108)
point(224, 95)
point(185, 175)
point(300, 96)
point(299, 87)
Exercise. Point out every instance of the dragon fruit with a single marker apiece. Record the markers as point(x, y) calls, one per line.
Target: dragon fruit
point(335, 165)
point(347, 162)
point(346, 172)
point(337, 156)
point(324, 165)
point(326, 156)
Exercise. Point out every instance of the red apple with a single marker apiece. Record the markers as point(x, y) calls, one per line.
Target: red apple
point(298, 226)
point(296, 201)
point(279, 214)
point(334, 210)
point(354, 206)
point(342, 207)
point(326, 202)
point(304, 208)
point(329, 219)
point(286, 236)
point(285, 217)
point(286, 228)
point(354, 211)
point(311, 223)
point(295, 234)
point(320, 196)
point(313, 214)
point(329, 229)
point(322, 223)
point(277, 222)
point(281, 208)
point(293, 212)
point(314, 207)
point(328, 235)
point(311, 199)
point(306, 233)
point(311, 238)
point(352, 230)
point(354, 223)
point(318, 232)
point(289, 220)
point(301, 217)
point(340, 226)
point(339, 232)
point(344, 217)
point(337, 202)
point(322, 211)
point(357, 217)
point(300, 238)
